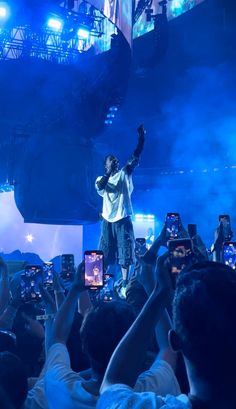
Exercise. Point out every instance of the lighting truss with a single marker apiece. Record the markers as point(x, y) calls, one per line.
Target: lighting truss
point(24, 41)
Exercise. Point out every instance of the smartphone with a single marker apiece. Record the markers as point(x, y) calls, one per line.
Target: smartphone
point(180, 254)
point(94, 269)
point(172, 225)
point(192, 230)
point(229, 254)
point(48, 274)
point(227, 232)
point(30, 281)
point(67, 267)
point(140, 246)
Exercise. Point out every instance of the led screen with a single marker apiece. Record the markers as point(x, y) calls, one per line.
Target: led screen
point(174, 9)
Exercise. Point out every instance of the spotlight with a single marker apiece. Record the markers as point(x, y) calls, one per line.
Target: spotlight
point(4, 11)
point(29, 238)
point(177, 5)
point(55, 23)
point(83, 33)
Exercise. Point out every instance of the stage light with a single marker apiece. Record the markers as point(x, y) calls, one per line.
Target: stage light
point(83, 33)
point(4, 11)
point(29, 238)
point(177, 5)
point(144, 217)
point(55, 23)
point(139, 217)
point(113, 108)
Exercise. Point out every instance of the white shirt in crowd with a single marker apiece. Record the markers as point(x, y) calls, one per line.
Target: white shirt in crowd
point(117, 196)
point(122, 397)
point(62, 388)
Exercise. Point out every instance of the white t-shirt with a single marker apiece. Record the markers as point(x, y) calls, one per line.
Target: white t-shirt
point(122, 397)
point(36, 396)
point(117, 196)
point(64, 389)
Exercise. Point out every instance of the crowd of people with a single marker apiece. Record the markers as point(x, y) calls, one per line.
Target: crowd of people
point(166, 340)
point(167, 344)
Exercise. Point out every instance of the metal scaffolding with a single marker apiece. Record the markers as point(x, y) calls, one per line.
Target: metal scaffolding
point(24, 41)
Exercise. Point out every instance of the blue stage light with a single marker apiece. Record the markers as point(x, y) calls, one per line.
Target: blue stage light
point(55, 23)
point(144, 217)
point(177, 6)
point(4, 11)
point(83, 33)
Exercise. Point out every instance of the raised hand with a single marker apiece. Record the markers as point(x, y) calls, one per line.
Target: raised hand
point(141, 131)
point(79, 278)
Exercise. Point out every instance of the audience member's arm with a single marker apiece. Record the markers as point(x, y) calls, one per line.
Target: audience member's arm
point(199, 247)
point(84, 303)
point(218, 243)
point(50, 311)
point(65, 315)
point(133, 346)
point(162, 330)
point(148, 279)
point(8, 315)
point(4, 286)
point(59, 291)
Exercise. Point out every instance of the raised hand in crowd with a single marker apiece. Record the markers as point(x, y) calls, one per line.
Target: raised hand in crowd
point(8, 315)
point(65, 315)
point(134, 345)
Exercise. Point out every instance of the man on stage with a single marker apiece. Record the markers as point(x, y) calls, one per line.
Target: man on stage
point(117, 237)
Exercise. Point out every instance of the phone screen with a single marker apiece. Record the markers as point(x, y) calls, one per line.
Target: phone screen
point(94, 268)
point(172, 225)
point(225, 220)
point(140, 246)
point(229, 254)
point(30, 280)
point(67, 267)
point(180, 254)
point(48, 269)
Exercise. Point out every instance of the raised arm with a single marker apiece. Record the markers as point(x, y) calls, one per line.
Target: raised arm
point(133, 346)
point(133, 161)
point(102, 182)
point(65, 315)
point(148, 279)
